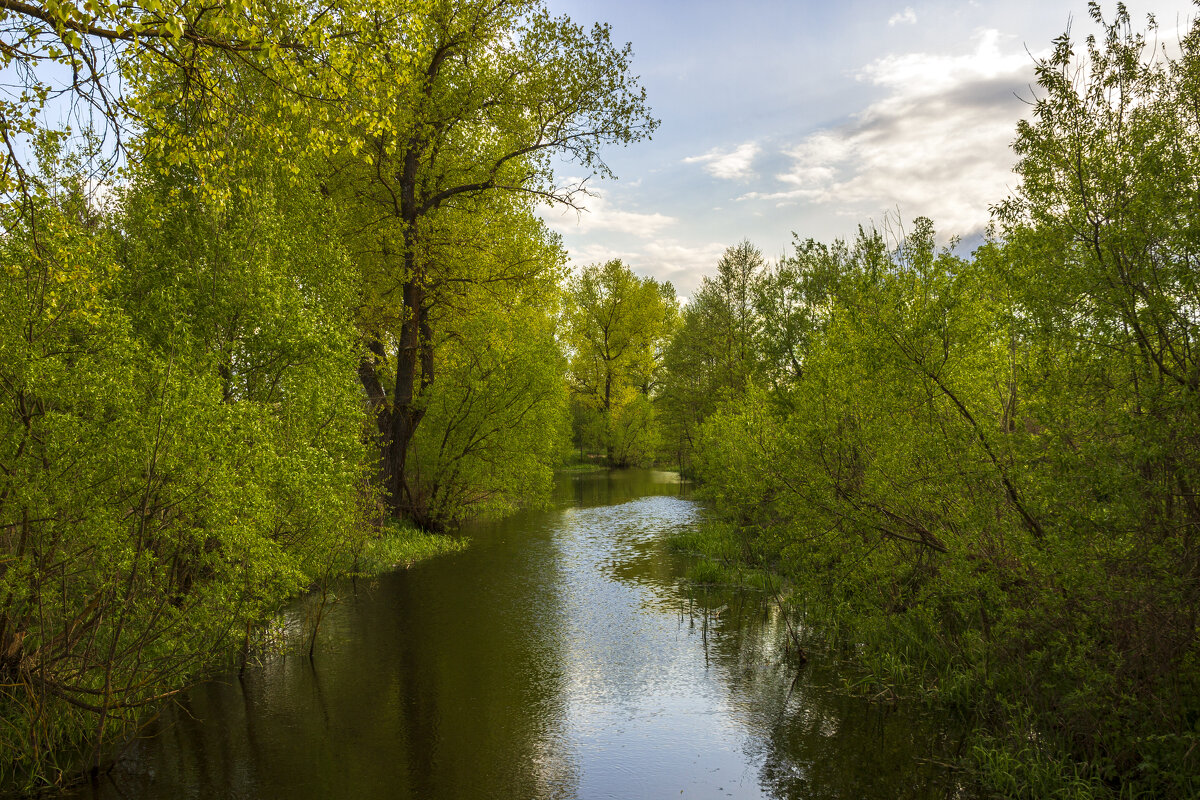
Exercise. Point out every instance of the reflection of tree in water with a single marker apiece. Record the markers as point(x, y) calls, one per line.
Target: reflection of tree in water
point(813, 739)
point(442, 682)
point(611, 487)
point(448, 681)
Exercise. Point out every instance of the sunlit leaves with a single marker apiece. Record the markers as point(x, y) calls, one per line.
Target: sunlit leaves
point(617, 326)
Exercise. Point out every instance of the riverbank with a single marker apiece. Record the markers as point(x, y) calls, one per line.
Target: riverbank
point(401, 546)
point(557, 656)
point(901, 656)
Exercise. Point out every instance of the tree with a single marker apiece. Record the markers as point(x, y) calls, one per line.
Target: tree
point(793, 301)
point(713, 356)
point(617, 325)
point(115, 68)
point(422, 111)
point(739, 273)
point(495, 419)
point(498, 90)
point(180, 445)
point(986, 468)
point(181, 438)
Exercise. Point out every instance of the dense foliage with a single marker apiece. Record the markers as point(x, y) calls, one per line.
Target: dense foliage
point(281, 281)
point(181, 450)
point(981, 472)
point(290, 283)
point(616, 326)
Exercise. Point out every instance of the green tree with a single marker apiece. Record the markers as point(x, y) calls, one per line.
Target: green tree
point(793, 301)
point(497, 91)
point(180, 448)
point(617, 326)
point(181, 397)
point(713, 356)
point(983, 470)
point(495, 419)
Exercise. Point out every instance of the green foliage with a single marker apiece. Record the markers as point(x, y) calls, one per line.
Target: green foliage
point(722, 554)
point(617, 325)
point(713, 539)
point(181, 450)
point(496, 419)
point(705, 573)
point(446, 163)
point(315, 203)
point(979, 473)
point(714, 354)
point(402, 546)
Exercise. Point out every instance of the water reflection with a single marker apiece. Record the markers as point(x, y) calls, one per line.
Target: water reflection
point(556, 658)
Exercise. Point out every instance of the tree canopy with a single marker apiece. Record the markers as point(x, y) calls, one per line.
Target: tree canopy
point(617, 325)
point(277, 279)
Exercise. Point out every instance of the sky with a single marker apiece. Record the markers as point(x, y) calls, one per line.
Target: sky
point(811, 118)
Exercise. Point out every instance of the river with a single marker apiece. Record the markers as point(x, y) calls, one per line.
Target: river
point(557, 657)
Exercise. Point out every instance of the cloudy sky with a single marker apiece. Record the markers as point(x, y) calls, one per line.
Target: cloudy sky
point(782, 116)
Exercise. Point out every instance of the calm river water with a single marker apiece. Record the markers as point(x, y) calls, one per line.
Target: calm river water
point(557, 657)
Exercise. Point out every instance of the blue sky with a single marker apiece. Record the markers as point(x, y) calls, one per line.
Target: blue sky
point(814, 117)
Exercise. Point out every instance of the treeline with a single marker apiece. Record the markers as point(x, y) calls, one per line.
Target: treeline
point(286, 285)
point(981, 473)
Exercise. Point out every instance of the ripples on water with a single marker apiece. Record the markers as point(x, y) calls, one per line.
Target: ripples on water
point(558, 657)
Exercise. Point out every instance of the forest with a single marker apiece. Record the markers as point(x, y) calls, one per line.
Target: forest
point(276, 289)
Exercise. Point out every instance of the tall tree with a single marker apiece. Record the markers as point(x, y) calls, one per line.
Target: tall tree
point(617, 327)
point(180, 443)
point(499, 89)
point(992, 463)
point(494, 421)
point(713, 356)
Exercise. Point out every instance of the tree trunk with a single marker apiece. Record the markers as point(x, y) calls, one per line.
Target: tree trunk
point(413, 357)
point(609, 452)
point(397, 421)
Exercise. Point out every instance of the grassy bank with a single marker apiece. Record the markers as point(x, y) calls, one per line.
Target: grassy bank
point(580, 467)
point(401, 546)
point(720, 556)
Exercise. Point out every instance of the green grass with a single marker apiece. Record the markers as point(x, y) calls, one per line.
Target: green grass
point(719, 557)
point(705, 572)
point(585, 467)
point(713, 540)
point(401, 547)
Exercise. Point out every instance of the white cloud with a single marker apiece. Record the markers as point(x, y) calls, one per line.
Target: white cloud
point(905, 17)
point(684, 265)
point(681, 264)
point(599, 215)
point(936, 145)
point(603, 232)
point(598, 253)
point(732, 165)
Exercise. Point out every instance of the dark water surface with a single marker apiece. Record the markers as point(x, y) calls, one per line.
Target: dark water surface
point(557, 657)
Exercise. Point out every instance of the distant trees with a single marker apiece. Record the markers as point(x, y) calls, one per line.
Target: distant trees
point(714, 353)
point(617, 325)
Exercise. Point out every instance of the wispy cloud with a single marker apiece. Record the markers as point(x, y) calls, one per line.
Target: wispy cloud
point(600, 215)
point(598, 253)
point(735, 164)
point(905, 17)
point(645, 242)
point(682, 264)
point(937, 144)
